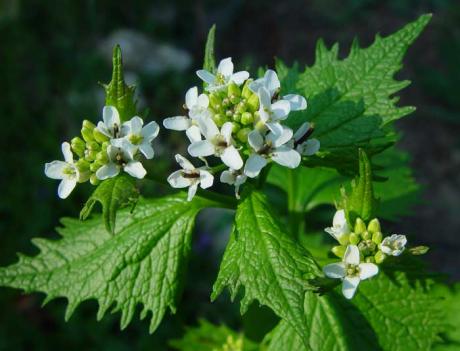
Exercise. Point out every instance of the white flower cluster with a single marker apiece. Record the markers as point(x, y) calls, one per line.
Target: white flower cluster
point(240, 121)
point(104, 151)
point(361, 251)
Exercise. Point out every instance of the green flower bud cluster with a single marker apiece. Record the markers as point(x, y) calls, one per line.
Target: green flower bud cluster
point(367, 238)
point(91, 149)
point(238, 105)
point(232, 344)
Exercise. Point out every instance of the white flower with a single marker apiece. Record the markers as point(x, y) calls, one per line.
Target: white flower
point(303, 145)
point(339, 226)
point(111, 125)
point(223, 77)
point(274, 147)
point(393, 245)
point(197, 105)
point(190, 177)
point(121, 157)
point(271, 82)
point(218, 143)
point(271, 114)
point(139, 137)
point(350, 271)
point(233, 177)
point(65, 170)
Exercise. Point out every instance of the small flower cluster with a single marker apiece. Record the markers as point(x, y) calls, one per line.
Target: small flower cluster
point(238, 120)
point(103, 151)
point(361, 250)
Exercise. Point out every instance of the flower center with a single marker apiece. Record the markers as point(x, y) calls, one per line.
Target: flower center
point(220, 79)
point(191, 174)
point(135, 139)
point(69, 171)
point(352, 270)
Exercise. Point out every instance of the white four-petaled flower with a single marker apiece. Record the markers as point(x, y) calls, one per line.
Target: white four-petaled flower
point(218, 143)
point(339, 226)
point(271, 113)
point(393, 245)
point(271, 147)
point(140, 137)
point(64, 170)
point(351, 271)
point(223, 77)
point(121, 157)
point(305, 147)
point(111, 125)
point(190, 177)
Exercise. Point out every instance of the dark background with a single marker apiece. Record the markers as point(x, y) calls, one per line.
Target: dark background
point(53, 53)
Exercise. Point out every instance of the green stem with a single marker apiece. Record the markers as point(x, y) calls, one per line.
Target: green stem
point(295, 215)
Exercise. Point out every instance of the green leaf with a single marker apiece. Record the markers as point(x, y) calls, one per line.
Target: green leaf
point(360, 202)
point(321, 186)
point(391, 314)
point(350, 100)
point(118, 93)
point(113, 194)
point(450, 305)
point(143, 264)
point(209, 63)
point(267, 262)
point(210, 337)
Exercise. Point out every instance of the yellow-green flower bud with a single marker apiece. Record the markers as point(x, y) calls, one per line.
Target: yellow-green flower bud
point(374, 226)
point(236, 127)
point(88, 125)
point(366, 235)
point(104, 146)
point(242, 134)
point(419, 250)
point(95, 166)
point(215, 101)
point(339, 251)
point(246, 93)
point(354, 238)
point(247, 118)
point(90, 155)
point(93, 146)
point(377, 237)
point(360, 226)
point(344, 239)
point(241, 108)
point(234, 100)
point(379, 257)
point(226, 102)
point(93, 180)
point(84, 176)
point(253, 103)
point(99, 137)
point(233, 90)
point(237, 117)
point(82, 165)
point(87, 134)
point(78, 146)
point(102, 157)
point(370, 259)
point(219, 120)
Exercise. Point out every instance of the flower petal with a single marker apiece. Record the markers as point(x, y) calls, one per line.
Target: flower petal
point(177, 180)
point(340, 220)
point(272, 83)
point(280, 138)
point(201, 148)
point(367, 270)
point(308, 148)
point(208, 127)
point(110, 116)
point(177, 123)
point(297, 102)
point(55, 169)
point(150, 131)
point(265, 99)
point(256, 140)
point(239, 77)
point(107, 171)
point(281, 109)
point(335, 270)
point(275, 127)
point(301, 131)
point(227, 177)
point(147, 150)
point(206, 179)
point(184, 163)
point(135, 169)
point(206, 76)
point(254, 164)
point(192, 191)
point(65, 187)
point(225, 67)
point(203, 101)
point(136, 124)
point(193, 133)
point(351, 255)
point(232, 158)
point(349, 286)
point(191, 97)
point(287, 157)
point(68, 156)
point(226, 131)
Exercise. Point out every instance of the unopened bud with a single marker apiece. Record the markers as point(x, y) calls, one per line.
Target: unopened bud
point(370, 259)
point(247, 118)
point(236, 117)
point(78, 146)
point(243, 134)
point(339, 251)
point(99, 137)
point(104, 146)
point(87, 134)
point(102, 157)
point(246, 93)
point(379, 257)
point(253, 103)
point(377, 237)
point(366, 235)
point(360, 226)
point(93, 146)
point(93, 180)
point(95, 166)
point(236, 127)
point(233, 91)
point(215, 101)
point(374, 226)
point(354, 238)
point(344, 239)
point(88, 125)
point(419, 250)
point(82, 165)
point(241, 108)
point(84, 176)
point(90, 155)
point(219, 119)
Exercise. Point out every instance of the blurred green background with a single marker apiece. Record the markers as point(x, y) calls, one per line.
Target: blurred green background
point(53, 54)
